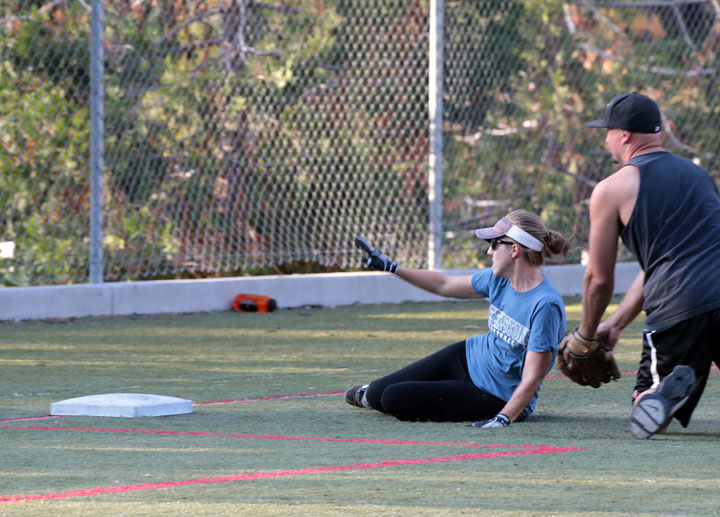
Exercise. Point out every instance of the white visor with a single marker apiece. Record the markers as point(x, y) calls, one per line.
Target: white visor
point(505, 227)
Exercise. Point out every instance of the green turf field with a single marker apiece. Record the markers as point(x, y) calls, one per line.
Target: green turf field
point(273, 449)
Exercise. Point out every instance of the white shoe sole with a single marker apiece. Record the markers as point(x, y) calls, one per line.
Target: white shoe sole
point(655, 410)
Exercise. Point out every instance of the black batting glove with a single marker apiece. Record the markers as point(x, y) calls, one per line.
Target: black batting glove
point(375, 259)
point(380, 262)
point(499, 420)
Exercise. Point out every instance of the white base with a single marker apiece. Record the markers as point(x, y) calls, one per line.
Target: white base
point(127, 405)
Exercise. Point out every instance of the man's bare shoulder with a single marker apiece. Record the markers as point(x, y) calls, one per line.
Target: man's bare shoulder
point(618, 192)
point(624, 180)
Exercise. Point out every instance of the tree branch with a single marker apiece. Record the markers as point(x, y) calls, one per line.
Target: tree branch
point(683, 28)
point(601, 16)
point(660, 70)
point(180, 27)
point(52, 5)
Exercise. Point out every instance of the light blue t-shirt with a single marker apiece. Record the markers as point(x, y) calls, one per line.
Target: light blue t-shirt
point(532, 320)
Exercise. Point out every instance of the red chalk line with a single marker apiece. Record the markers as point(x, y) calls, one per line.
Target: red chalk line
point(31, 418)
point(205, 403)
point(542, 449)
point(276, 397)
point(263, 436)
point(279, 397)
point(526, 450)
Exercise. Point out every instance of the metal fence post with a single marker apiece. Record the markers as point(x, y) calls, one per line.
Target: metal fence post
point(96, 142)
point(435, 108)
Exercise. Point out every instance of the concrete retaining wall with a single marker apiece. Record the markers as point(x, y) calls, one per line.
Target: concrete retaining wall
point(178, 296)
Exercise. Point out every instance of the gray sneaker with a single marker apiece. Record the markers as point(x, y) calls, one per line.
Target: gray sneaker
point(354, 395)
point(654, 411)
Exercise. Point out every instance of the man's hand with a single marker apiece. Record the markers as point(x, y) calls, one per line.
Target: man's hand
point(375, 259)
point(499, 420)
point(609, 335)
point(586, 361)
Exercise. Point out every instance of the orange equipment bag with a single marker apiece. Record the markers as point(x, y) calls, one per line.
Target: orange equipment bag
point(254, 303)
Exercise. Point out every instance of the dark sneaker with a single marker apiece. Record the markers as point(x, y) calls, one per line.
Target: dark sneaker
point(654, 411)
point(354, 395)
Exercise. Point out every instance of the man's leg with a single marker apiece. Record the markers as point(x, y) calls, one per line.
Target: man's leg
point(654, 408)
point(690, 343)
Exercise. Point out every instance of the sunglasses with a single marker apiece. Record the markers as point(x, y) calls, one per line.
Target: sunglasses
point(494, 243)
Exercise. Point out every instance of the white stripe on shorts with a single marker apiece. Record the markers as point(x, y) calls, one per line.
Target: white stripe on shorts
point(653, 359)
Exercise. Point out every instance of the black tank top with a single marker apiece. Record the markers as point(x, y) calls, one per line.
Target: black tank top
point(674, 232)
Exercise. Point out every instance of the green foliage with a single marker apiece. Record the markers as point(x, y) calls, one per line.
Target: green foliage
point(44, 135)
point(533, 151)
point(481, 49)
point(248, 136)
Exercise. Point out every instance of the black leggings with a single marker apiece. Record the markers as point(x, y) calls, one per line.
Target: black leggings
point(436, 388)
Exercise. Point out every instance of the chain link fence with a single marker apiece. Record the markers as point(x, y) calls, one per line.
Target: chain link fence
point(245, 137)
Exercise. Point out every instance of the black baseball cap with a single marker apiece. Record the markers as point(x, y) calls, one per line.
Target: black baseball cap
point(633, 112)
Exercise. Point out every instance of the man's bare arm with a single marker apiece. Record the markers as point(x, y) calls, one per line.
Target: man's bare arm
point(630, 306)
point(599, 280)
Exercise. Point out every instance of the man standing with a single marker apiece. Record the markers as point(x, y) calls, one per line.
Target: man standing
point(667, 211)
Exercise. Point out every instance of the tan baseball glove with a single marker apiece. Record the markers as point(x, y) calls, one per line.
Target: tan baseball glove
point(588, 363)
